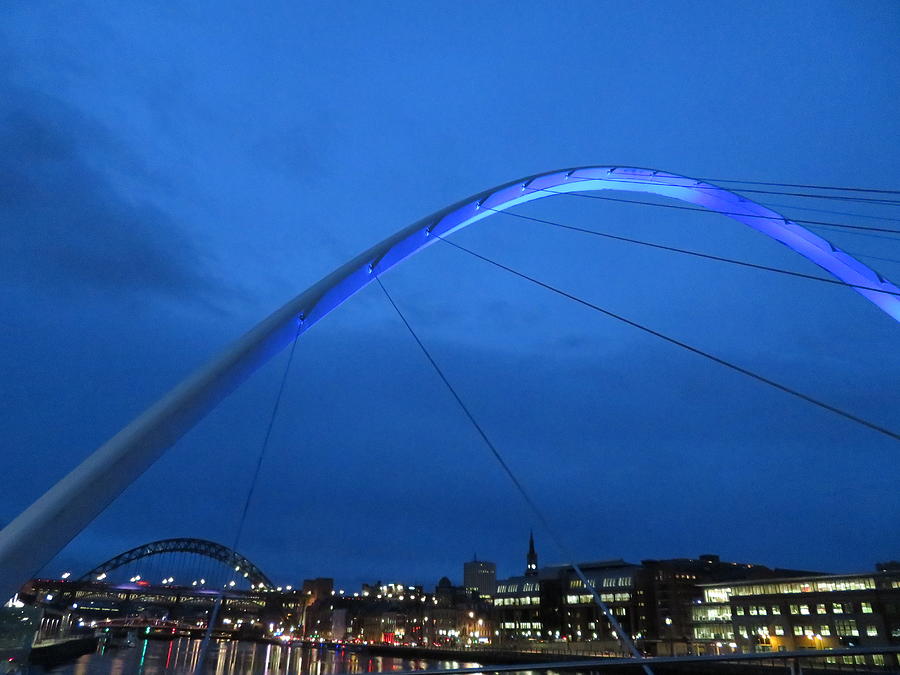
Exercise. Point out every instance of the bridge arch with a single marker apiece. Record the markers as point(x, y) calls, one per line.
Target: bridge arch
point(208, 549)
point(40, 532)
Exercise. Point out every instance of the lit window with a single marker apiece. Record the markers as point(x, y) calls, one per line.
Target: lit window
point(871, 631)
point(846, 627)
point(743, 631)
point(798, 630)
point(762, 611)
point(820, 609)
point(836, 608)
point(776, 609)
point(779, 630)
point(795, 609)
point(739, 611)
point(867, 608)
point(825, 629)
point(804, 609)
point(753, 610)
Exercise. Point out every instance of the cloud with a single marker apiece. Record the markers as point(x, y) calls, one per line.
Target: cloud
point(66, 224)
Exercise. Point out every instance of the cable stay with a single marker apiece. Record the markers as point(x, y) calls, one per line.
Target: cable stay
point(622, 636)
point(698, 254)
point(844, 198)
point(803, 186)
point(830, 212)
point(684, 345)
point(214, 614)
point(722, 213)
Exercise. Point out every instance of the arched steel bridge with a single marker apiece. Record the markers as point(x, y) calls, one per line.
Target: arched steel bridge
point(31, 540)
point(208, 549)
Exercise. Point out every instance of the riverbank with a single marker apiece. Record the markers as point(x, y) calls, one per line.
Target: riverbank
point(478, 655)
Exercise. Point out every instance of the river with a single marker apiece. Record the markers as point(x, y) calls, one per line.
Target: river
point(227, 657)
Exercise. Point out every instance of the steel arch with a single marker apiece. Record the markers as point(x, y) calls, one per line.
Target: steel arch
point(31, 540)
point(208, 549)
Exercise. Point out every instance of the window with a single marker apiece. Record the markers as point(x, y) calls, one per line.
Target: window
point(739, 611)
point(825, 630)
point(779, 630)
point(798, 630)
point(846, 627)
point(795, 609)
point(752, 610)
point(742, 630)
point(820, 609)
point(804, 609)
point(776, 609)
point(867, 608)
point(837, 608)
point(762, 611)
point(872, 631)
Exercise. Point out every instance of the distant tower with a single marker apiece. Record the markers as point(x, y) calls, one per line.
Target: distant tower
point(531, 567)
point(480, 576)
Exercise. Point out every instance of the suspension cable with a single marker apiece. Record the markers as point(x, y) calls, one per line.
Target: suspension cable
point(213, 616)
point(623, 637)
point(684, 345)
point(698, 254)
point(681, 207)
point(802, 186)
point(878, 201)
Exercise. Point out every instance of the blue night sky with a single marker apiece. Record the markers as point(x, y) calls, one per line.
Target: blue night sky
point(170, 173)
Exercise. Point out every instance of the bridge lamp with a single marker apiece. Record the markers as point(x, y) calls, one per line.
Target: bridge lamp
point(101, 577)
point(203, 581)
point(231, 583)
point(66, 575)
point(290, 588)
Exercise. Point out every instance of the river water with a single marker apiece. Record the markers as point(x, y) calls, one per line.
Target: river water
point(226, 657)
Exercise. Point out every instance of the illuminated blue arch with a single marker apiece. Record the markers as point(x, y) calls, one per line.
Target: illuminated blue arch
point(826, 255)
point(40, 532)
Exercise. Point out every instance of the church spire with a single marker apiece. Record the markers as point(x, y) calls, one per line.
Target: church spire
point(532, 560)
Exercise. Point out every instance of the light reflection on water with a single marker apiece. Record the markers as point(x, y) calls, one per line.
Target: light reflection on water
point(179, 657)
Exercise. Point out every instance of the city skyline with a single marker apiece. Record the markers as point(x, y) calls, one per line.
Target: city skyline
point(175, 174)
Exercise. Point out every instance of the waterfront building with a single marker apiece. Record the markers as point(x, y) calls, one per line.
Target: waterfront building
point(652, 601)
point(801, 612)
point(480, 576)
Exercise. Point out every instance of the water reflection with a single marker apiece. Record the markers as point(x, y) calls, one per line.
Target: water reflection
point(226, 657)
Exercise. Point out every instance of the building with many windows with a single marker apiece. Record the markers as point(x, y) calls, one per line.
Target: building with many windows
point(808, 612)
point(652, 601)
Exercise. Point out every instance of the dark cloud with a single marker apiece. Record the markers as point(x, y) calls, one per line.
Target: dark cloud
point(65, 221)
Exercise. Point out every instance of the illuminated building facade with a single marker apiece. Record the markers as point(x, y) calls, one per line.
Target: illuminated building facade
point(809, 612)
point(652, 600)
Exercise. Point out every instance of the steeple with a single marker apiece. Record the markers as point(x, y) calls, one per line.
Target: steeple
point(531, 567)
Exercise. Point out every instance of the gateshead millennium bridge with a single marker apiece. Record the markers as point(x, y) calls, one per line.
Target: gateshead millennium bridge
point(40, 532)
